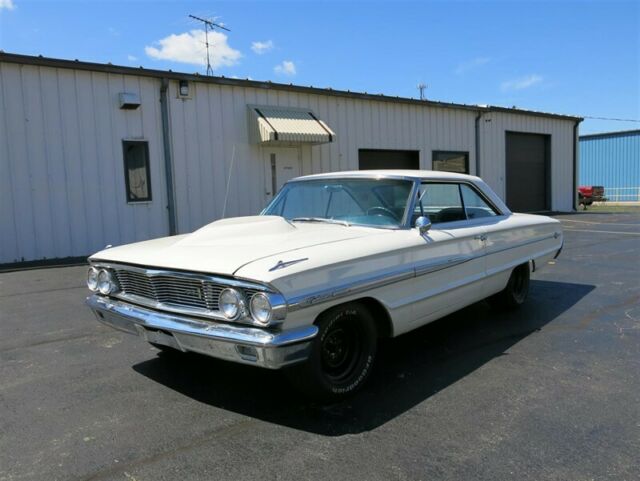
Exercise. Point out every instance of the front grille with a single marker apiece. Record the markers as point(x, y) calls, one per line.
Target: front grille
point(173, 290)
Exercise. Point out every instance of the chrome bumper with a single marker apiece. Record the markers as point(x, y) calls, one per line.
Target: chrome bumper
point(247, 345)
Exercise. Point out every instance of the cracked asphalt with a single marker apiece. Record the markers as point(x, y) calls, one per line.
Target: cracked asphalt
point(550, 392)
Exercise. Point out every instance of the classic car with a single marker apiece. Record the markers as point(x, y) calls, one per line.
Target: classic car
point(333, 263)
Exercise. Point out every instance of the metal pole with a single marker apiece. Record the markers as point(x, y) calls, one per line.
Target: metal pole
point(168, 163)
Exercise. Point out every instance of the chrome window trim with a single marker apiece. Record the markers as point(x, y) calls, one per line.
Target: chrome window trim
point(472, 187)
point(278, 302)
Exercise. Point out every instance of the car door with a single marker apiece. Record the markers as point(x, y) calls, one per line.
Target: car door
point(449, 260)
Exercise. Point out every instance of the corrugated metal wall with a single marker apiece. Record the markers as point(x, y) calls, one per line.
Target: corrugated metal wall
point(62, 173)
point(209, 127)
point(493, 126)
point(612, 161)
point(62, 190)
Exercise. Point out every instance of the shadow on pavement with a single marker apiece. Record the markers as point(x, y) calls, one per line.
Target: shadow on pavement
point(409, 369)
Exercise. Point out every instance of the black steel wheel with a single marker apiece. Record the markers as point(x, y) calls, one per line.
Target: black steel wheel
point(342, 354)
point(517, 290)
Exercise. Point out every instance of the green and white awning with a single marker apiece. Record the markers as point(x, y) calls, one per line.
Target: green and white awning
point(286, 125)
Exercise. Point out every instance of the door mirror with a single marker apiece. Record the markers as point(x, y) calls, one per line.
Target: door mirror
point(423, 224)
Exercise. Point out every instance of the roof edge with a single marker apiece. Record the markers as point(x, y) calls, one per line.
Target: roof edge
point(145, 72)
point(615, 133)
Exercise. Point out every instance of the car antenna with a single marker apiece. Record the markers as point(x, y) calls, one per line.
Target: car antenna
point(226, 195)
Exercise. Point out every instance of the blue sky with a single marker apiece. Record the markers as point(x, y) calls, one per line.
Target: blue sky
point(568, 57)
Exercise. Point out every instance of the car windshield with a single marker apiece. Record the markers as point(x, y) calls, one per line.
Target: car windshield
point(371, 202)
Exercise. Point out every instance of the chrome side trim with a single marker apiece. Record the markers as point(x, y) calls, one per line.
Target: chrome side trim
point(429, 267)
point(350, 288)
point(533, 241)
point(401, 274)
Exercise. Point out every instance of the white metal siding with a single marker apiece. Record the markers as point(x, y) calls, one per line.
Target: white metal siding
point(493, 127)
point(62, 189)
point(61, 162)
point(215, 120)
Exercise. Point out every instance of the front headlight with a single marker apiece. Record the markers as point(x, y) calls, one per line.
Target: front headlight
point(92, 279)
point(261, 309)
point(106, 285)
point(230, 303)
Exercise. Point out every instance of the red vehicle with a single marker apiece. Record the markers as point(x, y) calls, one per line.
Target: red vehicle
point(587, 195)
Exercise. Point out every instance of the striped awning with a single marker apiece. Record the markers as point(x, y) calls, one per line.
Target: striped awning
point(285, 125)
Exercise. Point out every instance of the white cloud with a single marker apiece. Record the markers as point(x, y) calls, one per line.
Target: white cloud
point(262, 47)
point(287, 67)
point(7, 4)
point(472, 64)
point(132, 58)
point(522, 82)
point(189, 47)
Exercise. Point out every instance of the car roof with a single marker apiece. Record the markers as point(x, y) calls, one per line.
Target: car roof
point(391, 173)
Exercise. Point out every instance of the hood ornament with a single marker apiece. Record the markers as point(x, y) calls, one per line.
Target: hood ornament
point(281, 264)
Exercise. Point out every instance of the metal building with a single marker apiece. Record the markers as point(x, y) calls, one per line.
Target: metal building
point(612, 160)
point(94, 154)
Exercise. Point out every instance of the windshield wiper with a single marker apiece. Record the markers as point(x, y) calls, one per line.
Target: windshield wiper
point(320, 219)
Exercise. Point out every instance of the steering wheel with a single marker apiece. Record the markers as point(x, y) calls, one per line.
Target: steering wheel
point(383, 210)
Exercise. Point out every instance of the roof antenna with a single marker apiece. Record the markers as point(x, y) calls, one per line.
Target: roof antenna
point(422, 87)
point(208, 24)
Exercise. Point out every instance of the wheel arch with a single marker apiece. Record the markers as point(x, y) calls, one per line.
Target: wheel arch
point(380, 314)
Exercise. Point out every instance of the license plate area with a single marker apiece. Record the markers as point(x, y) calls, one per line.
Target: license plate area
point(163, 338)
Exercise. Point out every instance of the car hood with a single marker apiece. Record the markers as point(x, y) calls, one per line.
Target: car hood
point(225, 246)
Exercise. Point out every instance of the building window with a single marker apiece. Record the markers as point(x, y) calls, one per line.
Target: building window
point(136, 170)
point(457, 162)
point(373, 159)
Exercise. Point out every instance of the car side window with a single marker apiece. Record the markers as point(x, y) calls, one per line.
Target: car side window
point(475, 206)
point(441, 202)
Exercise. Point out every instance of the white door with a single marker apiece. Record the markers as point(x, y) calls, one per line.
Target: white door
point(450, 263)
point(281, 164)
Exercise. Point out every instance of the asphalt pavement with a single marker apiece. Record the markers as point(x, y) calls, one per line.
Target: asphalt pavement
point(550, 392)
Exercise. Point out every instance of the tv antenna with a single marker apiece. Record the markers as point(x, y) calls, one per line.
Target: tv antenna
point(208, 25)
point(422, 87)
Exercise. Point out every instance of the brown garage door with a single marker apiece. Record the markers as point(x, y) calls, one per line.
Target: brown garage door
point(370, 159)
point(527, 172)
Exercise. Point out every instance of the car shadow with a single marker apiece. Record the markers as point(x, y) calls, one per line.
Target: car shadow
point(409, 369)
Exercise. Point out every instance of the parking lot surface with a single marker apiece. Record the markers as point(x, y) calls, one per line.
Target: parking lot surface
point(550, 392)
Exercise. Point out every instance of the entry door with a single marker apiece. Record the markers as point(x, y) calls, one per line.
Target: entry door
point(281, 165)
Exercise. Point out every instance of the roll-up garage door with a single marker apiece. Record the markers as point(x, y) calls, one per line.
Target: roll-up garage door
point(528, 185)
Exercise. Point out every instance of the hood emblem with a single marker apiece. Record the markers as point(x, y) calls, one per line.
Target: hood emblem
point(281, 264)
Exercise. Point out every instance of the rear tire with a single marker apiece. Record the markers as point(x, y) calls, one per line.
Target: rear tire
point(342, 354)
point(514, 295)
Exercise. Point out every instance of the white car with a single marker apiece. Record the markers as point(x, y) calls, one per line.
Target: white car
point(333, 263)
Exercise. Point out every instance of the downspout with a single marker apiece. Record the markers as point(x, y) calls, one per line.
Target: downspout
point(168, 163)
point(478, 117)
point(575, 164)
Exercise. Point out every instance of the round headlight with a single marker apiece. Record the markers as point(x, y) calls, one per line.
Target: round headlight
point(92, 279)
point(230, 303)
point(261, 308)
point(105, 283)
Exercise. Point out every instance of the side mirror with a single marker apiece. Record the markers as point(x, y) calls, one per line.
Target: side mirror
point(423, 224)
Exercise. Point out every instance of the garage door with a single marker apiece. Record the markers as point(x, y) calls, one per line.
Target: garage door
point(527, 172)
point(370, 159)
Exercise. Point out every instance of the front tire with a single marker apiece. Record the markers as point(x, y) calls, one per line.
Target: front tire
point(516, 292)
point(342, 354)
